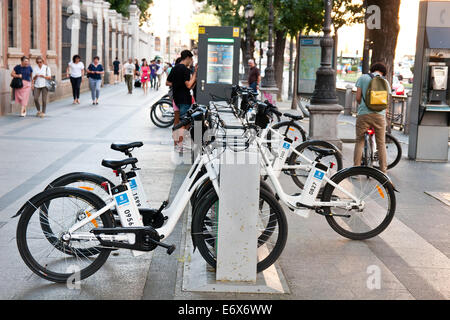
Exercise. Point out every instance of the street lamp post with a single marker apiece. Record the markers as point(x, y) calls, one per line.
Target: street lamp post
point(324, 109)
point(325, 89)
point(249, 13)
point(269, 74)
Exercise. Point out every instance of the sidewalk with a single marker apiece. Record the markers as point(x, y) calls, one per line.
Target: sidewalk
point(76, 138)
point(412, 255)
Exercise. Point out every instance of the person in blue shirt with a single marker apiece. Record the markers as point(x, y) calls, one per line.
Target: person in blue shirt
point(95, 71)
point(368, 119)
point(153, 70)
point(24, 72)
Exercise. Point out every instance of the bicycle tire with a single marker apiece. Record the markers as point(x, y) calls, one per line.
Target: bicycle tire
point(303, 108)
point(285, 124)
point(367, 172)
point(198, 226)
point(156, 120)
point(390, 137)
point(31, 207)
point(316, 143)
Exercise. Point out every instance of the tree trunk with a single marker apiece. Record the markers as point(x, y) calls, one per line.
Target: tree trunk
point(335, 49)
point(385, 39)
point(278, 63)
point(297, 62)
point(291, 58)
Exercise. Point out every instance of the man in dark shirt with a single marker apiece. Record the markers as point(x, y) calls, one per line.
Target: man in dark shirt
point(182, 82)
point(254, 76)
point(116, 65)
point(153, 69)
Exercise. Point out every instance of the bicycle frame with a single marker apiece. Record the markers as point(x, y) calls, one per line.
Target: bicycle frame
point(294, 201)
point(173, 212)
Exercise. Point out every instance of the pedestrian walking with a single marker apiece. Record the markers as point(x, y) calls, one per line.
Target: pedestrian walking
point(129, 70)
point(159, 72)
point(116, 67)
point(95, 71)
point(25, 72)
point(137, 67)
point(168, 68)
point(75, 71)
point(254, 75)
point(41, 74)
point(145, 76)
point(367, 118)
point(181, 81)
point(153, 70)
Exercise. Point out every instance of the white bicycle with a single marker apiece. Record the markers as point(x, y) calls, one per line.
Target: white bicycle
point(63, 230)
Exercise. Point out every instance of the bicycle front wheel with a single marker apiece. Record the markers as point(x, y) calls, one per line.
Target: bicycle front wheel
point(45, 251)
point(368, 185)
point(272, 229)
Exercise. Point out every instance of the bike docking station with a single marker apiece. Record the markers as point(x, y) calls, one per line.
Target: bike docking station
point(237, 247)
point(239, 180)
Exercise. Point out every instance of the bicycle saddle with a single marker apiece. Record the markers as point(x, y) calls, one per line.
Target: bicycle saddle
point(117, 164)
point(323, 152)
point(293, 117)
point(127, 146)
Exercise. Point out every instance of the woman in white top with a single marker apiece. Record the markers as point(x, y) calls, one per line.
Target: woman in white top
point(41, 73)
point(75, 70)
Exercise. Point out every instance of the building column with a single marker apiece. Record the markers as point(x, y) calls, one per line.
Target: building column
point(112, 15)
point(106, 61)
point(134, 21)
point(98, 14)
point(89, 6)
point(119, 35)
point(125, 39)
point(75, 26)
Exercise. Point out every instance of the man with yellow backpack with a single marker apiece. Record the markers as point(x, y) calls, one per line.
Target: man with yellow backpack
point(372, 95)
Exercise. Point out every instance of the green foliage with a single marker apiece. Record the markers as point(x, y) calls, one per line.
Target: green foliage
point(121, 6)
point(347, 12)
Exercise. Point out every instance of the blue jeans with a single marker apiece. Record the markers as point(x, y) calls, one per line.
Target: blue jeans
point(183, 108)
point(253, 85)
point(94, 85)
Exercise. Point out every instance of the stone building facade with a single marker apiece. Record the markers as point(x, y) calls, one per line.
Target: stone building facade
point(59, 29)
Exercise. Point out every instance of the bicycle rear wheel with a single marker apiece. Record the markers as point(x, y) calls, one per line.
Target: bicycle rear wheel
point(369, 185)
point(299, 175)
point(272, 229)
point(161, 114)
point(393, 152)
point(71, 259)
point(293, 131)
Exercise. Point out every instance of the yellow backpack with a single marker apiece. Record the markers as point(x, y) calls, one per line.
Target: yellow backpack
point(377, 94)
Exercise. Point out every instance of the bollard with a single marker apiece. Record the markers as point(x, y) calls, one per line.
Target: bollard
point(238, 213)
point(348, 100)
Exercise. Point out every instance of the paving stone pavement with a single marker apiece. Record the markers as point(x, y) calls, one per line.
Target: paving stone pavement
point(72, 138)
point(411, 256)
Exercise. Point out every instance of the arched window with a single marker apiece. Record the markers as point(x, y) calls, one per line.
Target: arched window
point(157, 44)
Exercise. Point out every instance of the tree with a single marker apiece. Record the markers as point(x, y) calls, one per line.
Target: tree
point(121, 6)
point(203, 18)
point(385, 33)
point(300, 17)
point(345, 13)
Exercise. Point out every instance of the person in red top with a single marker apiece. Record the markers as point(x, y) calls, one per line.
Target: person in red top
point(145, 76)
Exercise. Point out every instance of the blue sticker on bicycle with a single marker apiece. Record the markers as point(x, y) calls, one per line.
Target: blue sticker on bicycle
point(122, 199)
point(319, 174)
point(286, 145)
point(133, 184)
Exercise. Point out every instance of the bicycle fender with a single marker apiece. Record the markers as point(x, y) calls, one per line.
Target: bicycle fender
point(344, 171)
point(68, 175)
